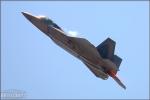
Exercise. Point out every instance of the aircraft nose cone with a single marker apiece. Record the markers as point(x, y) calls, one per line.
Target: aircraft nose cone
point(24, 13)
point(36, 21)
point(28, 15)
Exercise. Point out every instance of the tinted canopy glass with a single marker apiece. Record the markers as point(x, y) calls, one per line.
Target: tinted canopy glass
point(49, 22)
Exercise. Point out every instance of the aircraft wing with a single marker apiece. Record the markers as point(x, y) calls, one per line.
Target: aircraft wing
point(97, 72)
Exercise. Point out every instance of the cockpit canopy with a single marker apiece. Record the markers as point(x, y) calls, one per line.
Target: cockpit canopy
point(46, 20)
point(49, 22)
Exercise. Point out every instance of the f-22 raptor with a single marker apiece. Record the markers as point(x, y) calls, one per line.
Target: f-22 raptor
point(101, 60)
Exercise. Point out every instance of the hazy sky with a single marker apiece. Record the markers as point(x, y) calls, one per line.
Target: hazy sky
point(31, 62)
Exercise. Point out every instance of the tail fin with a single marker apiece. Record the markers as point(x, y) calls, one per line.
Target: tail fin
point(106, 50)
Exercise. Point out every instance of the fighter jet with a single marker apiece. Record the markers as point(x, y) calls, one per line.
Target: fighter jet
point(101, 60)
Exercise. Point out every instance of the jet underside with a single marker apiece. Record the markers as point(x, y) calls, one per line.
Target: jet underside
point(101, 60)
point(68, 44)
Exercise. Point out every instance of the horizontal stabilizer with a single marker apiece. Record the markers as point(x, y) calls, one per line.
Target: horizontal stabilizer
point(117, 60)
point(119, 82)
